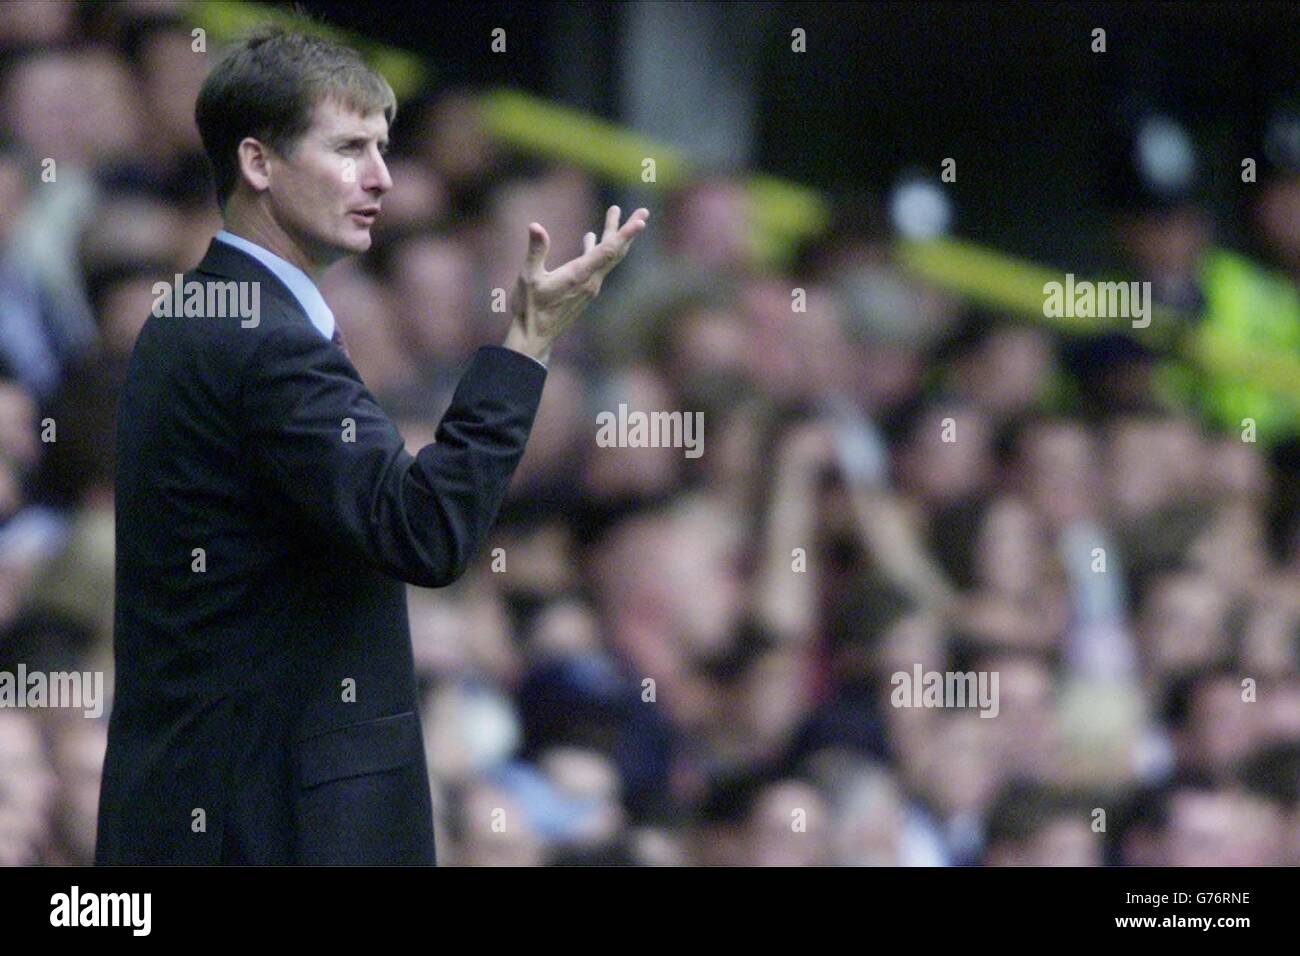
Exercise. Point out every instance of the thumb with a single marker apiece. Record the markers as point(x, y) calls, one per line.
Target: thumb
point(538, 244)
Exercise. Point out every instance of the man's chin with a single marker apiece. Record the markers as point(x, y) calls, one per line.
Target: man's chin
point(351, 241)
point(356, 241)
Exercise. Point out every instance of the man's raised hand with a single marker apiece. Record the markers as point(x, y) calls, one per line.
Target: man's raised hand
point(547, 301)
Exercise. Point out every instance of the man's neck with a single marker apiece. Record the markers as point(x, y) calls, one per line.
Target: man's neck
point(267, 234)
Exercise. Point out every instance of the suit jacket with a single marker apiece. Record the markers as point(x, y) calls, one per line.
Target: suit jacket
point(265, 704)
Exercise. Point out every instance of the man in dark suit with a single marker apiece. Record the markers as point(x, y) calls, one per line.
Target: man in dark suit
point(268, 514)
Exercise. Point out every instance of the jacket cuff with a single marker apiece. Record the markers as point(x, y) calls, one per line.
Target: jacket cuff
point(505, 372)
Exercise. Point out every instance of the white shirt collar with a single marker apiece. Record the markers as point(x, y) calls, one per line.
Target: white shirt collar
point(297, 281)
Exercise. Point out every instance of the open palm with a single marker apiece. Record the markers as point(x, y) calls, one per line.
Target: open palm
point(547, 301)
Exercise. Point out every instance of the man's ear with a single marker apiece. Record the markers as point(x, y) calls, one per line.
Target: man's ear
point(255, 163)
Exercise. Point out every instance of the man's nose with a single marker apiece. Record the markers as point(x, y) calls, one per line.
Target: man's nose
point(377, 177)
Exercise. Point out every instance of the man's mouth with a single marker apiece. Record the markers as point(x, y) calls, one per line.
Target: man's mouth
point(365, 215)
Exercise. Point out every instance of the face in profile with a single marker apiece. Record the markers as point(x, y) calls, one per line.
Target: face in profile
point(327, 191)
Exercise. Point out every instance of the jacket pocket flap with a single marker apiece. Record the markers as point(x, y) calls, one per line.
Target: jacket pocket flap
point(371, 746)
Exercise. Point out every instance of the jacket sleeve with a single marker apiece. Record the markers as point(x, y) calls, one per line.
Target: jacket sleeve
point(421, 518)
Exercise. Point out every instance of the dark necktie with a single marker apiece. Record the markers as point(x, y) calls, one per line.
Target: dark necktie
point(338, 340)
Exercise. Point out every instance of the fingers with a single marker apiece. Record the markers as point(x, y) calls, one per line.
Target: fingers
point(621, 239)
point(538, 245)
point(598, 259)
point(616, 242)
point(635, 223)
point(586, 265)
point(612, 215)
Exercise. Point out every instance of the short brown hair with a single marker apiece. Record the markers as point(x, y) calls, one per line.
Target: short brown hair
point(267, 85)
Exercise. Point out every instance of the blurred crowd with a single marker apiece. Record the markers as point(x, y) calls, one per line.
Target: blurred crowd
point(677, 660)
